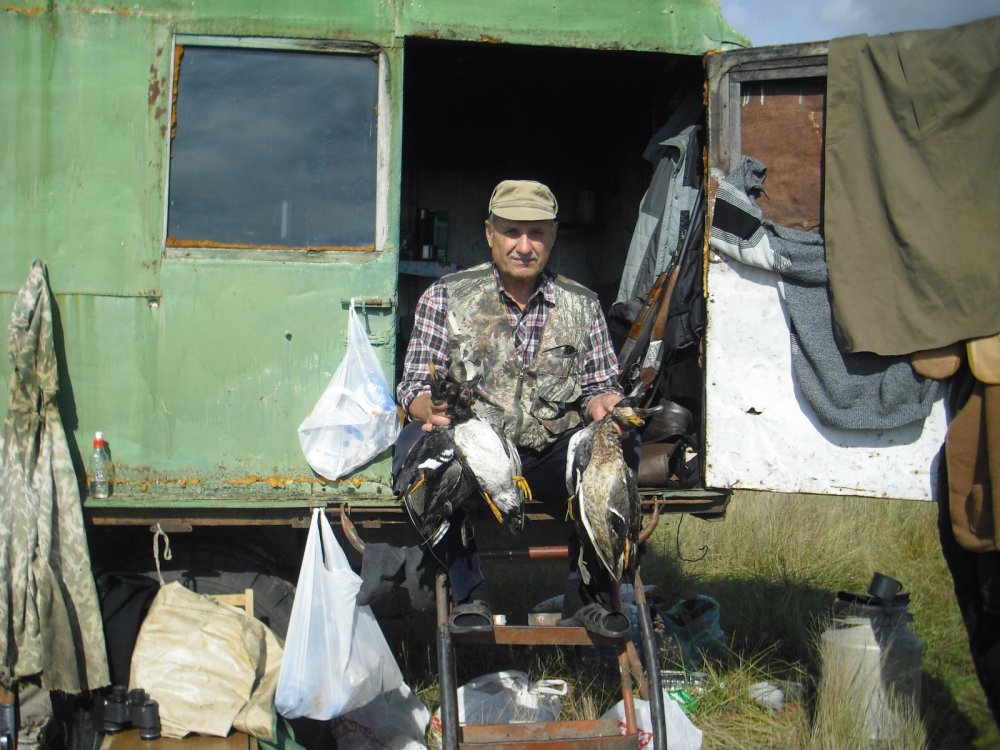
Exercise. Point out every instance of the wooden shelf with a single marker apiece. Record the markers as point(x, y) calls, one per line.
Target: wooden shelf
point(429, 268)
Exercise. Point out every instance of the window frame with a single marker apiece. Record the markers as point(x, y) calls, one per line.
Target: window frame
point(189, 250)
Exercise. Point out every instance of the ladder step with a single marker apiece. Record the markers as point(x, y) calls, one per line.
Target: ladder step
point(562, 735)
point(537, 635)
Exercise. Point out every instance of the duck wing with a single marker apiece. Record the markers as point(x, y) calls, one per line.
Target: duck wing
point(578, 456)
point(433, 482)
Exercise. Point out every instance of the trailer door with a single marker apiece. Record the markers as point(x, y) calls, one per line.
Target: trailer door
point(760, 432)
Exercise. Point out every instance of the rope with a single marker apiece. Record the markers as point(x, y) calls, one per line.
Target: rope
point(167, 554)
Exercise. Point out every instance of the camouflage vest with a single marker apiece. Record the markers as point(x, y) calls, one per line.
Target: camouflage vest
point(533, 404)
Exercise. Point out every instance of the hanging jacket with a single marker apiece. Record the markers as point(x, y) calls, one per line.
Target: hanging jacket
point(50, 621)
point(665, 213)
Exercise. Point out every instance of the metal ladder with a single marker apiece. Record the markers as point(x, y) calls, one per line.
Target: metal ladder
point(565, 735)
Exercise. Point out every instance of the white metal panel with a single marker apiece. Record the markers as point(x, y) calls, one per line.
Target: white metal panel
point(761, 435)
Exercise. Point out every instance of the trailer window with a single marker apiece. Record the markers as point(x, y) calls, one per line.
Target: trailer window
point(273, 149)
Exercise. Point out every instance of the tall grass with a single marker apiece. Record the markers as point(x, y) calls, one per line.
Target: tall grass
point(774, 565)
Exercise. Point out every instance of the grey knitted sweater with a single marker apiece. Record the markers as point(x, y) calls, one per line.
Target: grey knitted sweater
point(861, 391)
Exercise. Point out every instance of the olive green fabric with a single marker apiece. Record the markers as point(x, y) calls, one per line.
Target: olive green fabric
point(50, 621)
point(912, 195)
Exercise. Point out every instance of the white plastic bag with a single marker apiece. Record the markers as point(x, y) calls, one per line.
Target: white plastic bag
point(392, 721)
point(336, 657)
point(506, 697)
point(682, 734)
point(355, 419)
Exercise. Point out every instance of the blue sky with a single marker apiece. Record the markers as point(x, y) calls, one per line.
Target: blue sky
point(787, 21)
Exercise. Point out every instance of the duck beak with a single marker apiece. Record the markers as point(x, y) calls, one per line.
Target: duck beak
point(627, 417)
point(633, 420)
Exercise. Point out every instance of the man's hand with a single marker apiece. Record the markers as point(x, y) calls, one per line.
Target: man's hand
point(601, 405)
point(431, 414)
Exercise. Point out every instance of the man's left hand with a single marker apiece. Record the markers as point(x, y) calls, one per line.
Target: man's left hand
point(601, 405)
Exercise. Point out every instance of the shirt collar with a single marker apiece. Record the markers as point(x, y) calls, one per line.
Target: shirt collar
point(546, 285)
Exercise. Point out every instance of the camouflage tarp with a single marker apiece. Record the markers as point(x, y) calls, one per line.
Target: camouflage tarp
point(50, 622)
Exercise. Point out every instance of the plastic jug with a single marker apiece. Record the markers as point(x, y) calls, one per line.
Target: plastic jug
point(869, 643)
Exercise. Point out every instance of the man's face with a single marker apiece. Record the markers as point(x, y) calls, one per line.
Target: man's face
point(520, 248)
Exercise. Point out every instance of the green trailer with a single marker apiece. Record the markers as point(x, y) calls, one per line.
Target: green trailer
point(210, 184)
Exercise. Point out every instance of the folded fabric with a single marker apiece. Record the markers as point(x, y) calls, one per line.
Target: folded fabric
point(848, 391)
point(210, 667)
point(737, 222)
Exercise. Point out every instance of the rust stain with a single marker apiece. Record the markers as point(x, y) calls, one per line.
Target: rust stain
point(178, 54)
point(252, 479)
point(154, 86)
point(29, 12)
point(486, 38)
point(174, 242)
point(143, 484)
point(279, 482)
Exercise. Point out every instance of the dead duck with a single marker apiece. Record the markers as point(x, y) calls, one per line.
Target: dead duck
point(486, 453)
point(493, 461)
point(604, 499)
point(453, 464)
point(432, 483)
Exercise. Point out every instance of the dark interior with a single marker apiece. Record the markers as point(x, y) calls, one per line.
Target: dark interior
point(578, 120)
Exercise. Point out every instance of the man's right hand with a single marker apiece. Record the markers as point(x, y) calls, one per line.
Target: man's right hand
point(431, 414)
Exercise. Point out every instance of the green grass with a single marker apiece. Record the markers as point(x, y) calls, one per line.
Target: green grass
point(774, 564)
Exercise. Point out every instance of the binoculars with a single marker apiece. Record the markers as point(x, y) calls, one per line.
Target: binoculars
point(133, 708)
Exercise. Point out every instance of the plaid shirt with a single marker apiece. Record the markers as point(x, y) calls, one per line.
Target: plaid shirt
point(429, 341)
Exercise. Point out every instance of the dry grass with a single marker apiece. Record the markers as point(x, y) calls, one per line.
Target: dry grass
point(774, 565)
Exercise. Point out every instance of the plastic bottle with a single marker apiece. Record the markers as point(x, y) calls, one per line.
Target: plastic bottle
point(102, 470)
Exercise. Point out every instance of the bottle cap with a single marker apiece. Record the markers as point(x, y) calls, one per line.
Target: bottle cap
point(98, 439)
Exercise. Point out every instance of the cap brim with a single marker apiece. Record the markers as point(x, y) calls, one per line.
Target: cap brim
point(523, 213)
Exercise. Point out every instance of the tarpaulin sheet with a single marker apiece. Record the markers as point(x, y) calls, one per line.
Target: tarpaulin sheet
point(911, 193)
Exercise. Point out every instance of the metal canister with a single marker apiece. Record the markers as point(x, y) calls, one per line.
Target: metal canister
point(870, 647)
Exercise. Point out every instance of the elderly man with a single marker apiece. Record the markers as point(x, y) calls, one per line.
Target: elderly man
point(541, 343)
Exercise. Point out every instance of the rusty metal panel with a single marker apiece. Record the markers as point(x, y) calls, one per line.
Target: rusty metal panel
point(82, 159)
point(199, 363)
point(688, 27)
point(782, 127)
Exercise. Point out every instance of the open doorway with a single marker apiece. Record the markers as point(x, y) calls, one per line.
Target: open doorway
point(578, 120)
